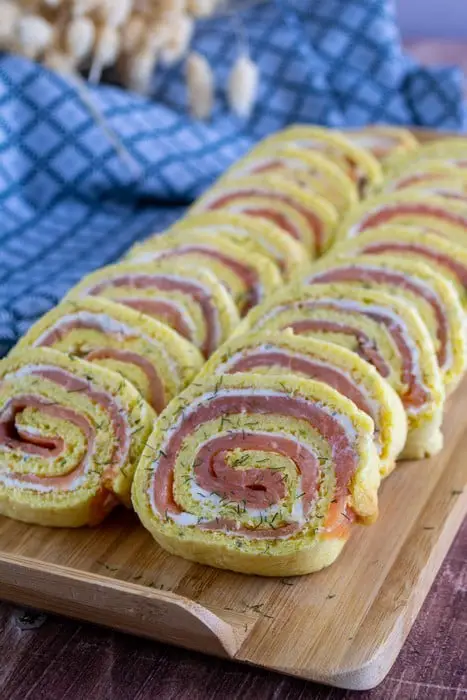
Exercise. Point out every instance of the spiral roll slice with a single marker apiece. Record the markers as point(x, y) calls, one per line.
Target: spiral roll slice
point(451, 188)
point(383, 330)
point(358, 163)
point(153, 357)
point(307, 218)
point(383, 141)
point(452, 151)
point(339, 368)
point(420, 173)
point(247, 278)
point(256, 235)
point(71, 434)
point(191, 302)
point(258, 474)
point(447, 217)
point(433, 178)
point(412, 243)
point(429, 292)
point(308, 169)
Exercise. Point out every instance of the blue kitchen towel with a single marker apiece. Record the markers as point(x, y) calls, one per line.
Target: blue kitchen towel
point(69, 205)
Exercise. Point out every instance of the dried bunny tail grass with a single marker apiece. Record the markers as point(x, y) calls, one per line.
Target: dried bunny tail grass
point(116, 12)
point(134, 33)
point(106, 51)
point(60, 62)
point(10, 15)
point(85, 7)
point(179, 39)
point(243, 85)
point(202, 8)
point(34, 35)
point(80, 35)
point(176, 7)
point(139, 69)
point(200, 83)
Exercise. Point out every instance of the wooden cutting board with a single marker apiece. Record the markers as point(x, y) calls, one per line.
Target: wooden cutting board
point(343, 626)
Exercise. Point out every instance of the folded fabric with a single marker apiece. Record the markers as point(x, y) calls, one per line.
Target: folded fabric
point(68, 204)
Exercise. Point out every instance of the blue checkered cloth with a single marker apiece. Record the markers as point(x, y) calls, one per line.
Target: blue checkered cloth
point(68, 204)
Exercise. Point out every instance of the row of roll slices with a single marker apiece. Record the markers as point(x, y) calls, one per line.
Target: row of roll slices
point(306, 380)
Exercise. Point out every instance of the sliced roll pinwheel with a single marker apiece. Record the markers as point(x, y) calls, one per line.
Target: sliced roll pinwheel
point(382, 329)
point(361, 166)
point(192, 302)
point(308, 218)
point(434, 297)
point(310, 170)
point(453, 151)
point(451, 188)
point(71, 434)
point(339, 368)
point(248, 232)
point(425, 175)
point(436, 214)
point(152, 356)
point(258, 474)
point(383, 141)
point(443, 255)
point(247, 278)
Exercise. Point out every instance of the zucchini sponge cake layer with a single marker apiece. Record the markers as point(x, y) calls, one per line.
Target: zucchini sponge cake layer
point(191, 302)
point(339, 368)
point(441, 254)
point(258, 474)
point(150, 355)
point(420, 287)
point(446, 217)
point(358, 163)
point(310, 170)
point(306, 217)
point(380, 328)
point(251, 233)
point(71, 434)
point(249, 279)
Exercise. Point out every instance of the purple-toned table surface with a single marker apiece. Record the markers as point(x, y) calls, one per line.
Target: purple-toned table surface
point(62, 659)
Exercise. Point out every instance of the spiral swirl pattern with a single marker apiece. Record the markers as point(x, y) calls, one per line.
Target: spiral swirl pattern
point(254, 472)
point(71, 434)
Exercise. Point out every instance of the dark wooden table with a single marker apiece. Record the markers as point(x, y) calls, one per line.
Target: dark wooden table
point(62, 659)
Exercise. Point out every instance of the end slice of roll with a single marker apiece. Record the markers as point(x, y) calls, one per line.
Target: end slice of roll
point(71, 434)
point(258, 474)
point(249, 279)
point(307, 218)
point(383, 330)
point(339, 368)
point(192, 302)
point(150, 355)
